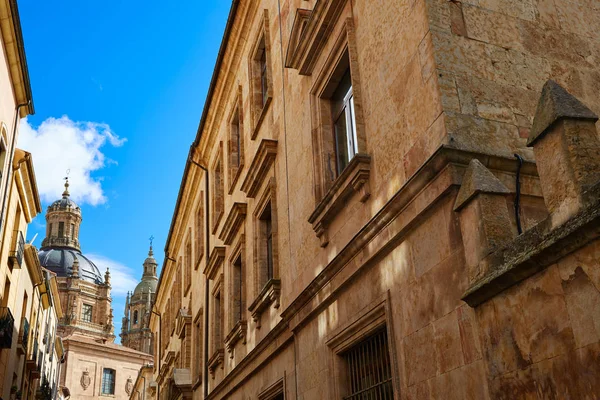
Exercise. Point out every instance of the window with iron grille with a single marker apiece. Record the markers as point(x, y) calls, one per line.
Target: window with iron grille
point(369, 372)
point(86, 313)
point(108, 381)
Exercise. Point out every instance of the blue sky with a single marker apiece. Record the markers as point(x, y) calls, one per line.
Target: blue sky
point(118, 88)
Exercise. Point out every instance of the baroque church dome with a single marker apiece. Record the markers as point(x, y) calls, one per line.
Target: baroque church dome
point(61, 245)
point(60, 261)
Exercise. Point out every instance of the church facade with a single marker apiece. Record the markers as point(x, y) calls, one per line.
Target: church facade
point(94, 365)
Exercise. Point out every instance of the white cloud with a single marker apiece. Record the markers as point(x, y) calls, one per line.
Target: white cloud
point(122, 278)
point(58, 145)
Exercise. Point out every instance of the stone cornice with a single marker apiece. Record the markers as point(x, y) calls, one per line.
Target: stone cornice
point(237, 333)
point(259, 168)
point(270, 294)
point(442, 171)
point(215, 360)
point(214, 261)
point(534, 250)
point(354, 178)
point(233, 222)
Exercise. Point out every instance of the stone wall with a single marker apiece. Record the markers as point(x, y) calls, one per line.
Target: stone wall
point(493, 57)
point(440, 87)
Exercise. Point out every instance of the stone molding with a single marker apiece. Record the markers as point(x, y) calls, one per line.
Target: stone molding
point(314, 35)
point(217, 256)
point(300, 21)
point(238, 333)
point(355, 178)
point(273, 390)
point(535, 250)
point(183, 319)
point(215, 360)
point(375, 316)
point(441, 173)
point(270, 294)
point(235, 219)
point(259, 168)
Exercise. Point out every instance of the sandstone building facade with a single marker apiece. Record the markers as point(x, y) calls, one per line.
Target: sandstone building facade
point(353, 222)
point(94, 366)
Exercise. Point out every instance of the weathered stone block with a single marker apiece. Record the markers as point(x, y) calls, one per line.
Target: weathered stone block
point(419, 355)
point(447, 343)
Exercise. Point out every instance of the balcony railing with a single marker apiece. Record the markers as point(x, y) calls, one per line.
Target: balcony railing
point(7, 323)
point(23, 337)
point(32, 363)
point(16, 255)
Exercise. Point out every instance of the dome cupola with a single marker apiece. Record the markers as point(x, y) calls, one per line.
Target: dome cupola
point(60, 247)
point(63, 219)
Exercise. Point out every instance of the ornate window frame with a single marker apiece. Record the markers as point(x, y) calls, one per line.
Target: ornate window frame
point(332, 192)
point(267, 291)
point(237, 111)
point(199, 227)
point(369, 320)
point(238, 328)
point(198, 334)
point(218, 186)
point(261, 42)
point(217, 338)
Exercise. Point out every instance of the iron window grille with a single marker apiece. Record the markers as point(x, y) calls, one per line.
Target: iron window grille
point(86, 313)
point(16, 256)
point(6, 327)
point(108, 381)
point(369, 371)
point(24, 337)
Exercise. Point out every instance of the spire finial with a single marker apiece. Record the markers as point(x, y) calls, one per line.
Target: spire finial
point(150, 252)
point(66, 178)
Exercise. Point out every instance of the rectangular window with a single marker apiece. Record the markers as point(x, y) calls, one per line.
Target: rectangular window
point(188, 263)
point(61, 229)
point(72, 230)
point(344, 122)
point(86, 313)
point(217, 325)
point(261, 86)
point(238, 289)
point(108, 381)
point(198, 347)
point(200, 230)
point(236, 144)
point(369, 372)
point(218, 189)
point(264, 88)
point(267, 242)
